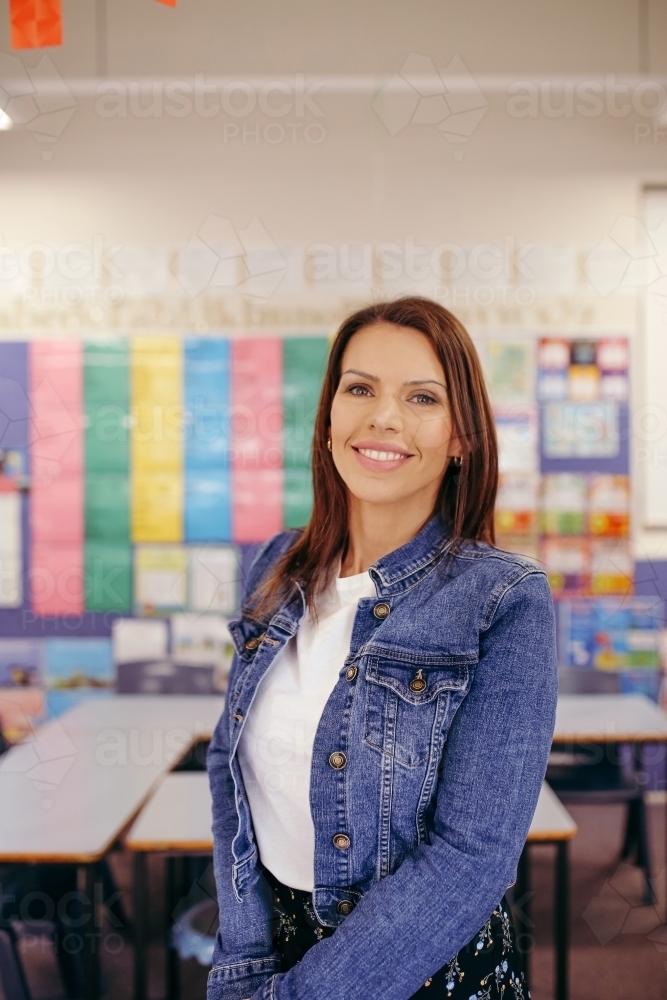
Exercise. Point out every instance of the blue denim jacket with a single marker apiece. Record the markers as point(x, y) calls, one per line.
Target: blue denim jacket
point(445, 710)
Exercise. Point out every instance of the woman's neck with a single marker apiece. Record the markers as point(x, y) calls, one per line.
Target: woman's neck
point(374, 529)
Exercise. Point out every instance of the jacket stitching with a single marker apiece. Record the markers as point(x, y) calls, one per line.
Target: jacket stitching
point(502, 588)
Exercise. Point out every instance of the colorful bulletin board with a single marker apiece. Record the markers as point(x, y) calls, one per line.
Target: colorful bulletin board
point(564, 494)
point(139, 450)
point(139, 474)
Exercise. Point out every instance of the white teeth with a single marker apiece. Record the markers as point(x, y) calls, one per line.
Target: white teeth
point(381, 456)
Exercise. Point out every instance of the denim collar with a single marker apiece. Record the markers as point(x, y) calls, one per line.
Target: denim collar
point(392, 574)
point(400, 569)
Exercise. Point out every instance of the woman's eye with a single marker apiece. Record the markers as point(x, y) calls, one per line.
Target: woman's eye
point(423, 397)
point(359, 390)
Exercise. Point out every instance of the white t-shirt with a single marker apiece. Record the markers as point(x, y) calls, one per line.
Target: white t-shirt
point(276, 746)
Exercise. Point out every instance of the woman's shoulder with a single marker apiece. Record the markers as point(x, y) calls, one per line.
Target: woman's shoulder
point(493, 565)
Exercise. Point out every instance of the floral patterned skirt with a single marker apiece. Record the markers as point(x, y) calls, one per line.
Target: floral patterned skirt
point(489, 968)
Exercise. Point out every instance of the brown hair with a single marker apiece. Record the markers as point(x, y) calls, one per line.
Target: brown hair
point(468, 492)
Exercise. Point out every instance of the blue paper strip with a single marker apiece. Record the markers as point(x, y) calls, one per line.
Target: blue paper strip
point(207, 442)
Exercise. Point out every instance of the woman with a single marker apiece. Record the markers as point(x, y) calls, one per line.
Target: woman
point(391, 703)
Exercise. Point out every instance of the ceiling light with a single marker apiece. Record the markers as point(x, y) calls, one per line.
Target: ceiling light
point(5, 121)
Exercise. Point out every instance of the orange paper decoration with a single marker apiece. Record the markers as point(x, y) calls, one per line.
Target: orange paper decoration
point(168, 3)
point(35, 23)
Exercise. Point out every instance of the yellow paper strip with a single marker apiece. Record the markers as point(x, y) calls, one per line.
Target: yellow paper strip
point(157, 439)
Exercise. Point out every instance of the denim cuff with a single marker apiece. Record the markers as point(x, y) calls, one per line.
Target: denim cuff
point(241, 980)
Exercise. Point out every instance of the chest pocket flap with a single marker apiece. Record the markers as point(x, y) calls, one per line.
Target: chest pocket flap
point(419, 679)
point(410, 701)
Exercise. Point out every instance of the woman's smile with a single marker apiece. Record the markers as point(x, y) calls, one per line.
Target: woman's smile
point(381, 456)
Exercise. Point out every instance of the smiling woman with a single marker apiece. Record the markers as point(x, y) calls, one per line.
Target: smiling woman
point(403, 379)
point(391, 702)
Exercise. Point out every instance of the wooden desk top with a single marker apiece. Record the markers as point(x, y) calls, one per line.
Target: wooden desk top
point(609, 718)
point(178, 817)
point(69, 790)
point(551, 821)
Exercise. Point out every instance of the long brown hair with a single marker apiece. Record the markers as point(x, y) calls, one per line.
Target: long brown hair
point(467, 494)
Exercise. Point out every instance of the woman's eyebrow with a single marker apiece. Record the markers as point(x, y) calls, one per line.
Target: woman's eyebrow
point(425, 381)
point(355, 371)
point(376, 378)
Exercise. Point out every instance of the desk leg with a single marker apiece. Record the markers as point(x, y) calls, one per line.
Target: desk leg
point(174, 885)
point(140, 924)
point(562, 920)
point(91, 954)
point(523, 922)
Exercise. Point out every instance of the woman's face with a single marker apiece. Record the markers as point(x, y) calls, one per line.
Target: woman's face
point(391, 429)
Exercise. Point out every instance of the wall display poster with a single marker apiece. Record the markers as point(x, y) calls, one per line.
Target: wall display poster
point(76, 669)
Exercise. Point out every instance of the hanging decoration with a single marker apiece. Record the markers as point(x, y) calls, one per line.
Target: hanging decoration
point(35, 24)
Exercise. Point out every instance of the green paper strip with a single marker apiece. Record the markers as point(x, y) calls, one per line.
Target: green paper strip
point(107, 507)
point(107, 407)
point(108, 553)
point(304, 364)
point(297, 497)
point(108, 576)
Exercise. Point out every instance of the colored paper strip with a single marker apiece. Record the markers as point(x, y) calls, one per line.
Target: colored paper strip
point(207, 468)
point(35, 23)
point(108, 576)
point(107, 407)
point(14, 436)
point(14, 408)
point(157, 439)
point(304, 363)
point(257, 429)
point(56, 458)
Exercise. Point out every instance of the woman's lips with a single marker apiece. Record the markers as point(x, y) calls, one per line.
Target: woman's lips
point(380, 460)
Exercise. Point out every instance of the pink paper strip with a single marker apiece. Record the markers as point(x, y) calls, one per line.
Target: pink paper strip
point(257, 504)
point(257, 439)
point(56, 468)
point(56, 579)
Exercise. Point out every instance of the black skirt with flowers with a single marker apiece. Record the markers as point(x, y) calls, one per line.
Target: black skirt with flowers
point(490, 967)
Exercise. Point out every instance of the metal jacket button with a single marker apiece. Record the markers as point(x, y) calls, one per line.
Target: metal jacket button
point(381, 610)
point(418, 684)
point(253, 642)
point(238, 716)
point(345, 906)
point(341, 841)
point(350, 673)
point(338, 759)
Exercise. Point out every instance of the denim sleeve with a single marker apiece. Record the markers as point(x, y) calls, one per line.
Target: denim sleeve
point(243, 957)
point(409, 924)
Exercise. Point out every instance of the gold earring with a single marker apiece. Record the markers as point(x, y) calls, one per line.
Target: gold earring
point(329, 443)
point(457, 460)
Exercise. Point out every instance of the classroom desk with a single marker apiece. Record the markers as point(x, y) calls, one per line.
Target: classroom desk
point(70, 789)
point(609, 718)
point(552, 824)
point(177, 820)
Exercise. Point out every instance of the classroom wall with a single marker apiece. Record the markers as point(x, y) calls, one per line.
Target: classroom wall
point(145, 177)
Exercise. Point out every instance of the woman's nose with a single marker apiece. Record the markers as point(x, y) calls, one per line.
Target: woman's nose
point(386, 414)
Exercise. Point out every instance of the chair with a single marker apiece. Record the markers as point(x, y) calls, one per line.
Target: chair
point(602, 773)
